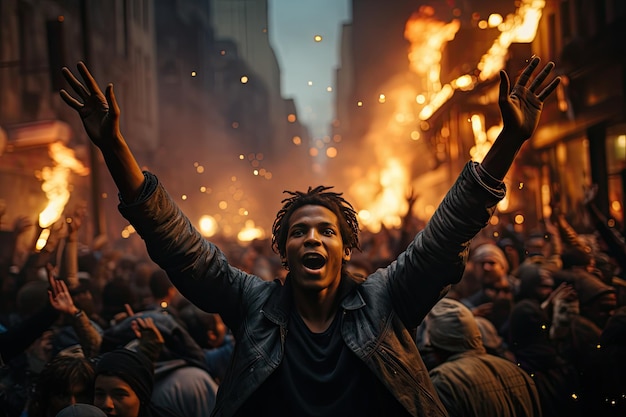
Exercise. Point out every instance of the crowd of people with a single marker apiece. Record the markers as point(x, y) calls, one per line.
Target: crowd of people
point(442, 318)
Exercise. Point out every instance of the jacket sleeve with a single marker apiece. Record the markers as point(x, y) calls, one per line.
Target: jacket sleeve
point(197, 267)
point(436, 258)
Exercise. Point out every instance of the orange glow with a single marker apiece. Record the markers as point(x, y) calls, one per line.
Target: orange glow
point(55, 182)
point(208, 225)
point(409, 105)
point(250, 232)
point(388, 204)
point(426, 48)
point(518, 28)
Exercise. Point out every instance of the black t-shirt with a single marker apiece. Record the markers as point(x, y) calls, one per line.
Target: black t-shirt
point(320, 376)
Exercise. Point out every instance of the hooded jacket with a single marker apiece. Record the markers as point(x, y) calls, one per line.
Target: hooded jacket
point(375, 314)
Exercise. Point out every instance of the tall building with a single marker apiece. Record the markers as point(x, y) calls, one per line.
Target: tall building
point(245, 24)
point(116, 40)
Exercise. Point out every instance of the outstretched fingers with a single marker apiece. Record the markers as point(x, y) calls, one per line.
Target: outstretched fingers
point(549, 89)
point(76, 85)
point(528, 71)
point(89, 80)
point(541, 77)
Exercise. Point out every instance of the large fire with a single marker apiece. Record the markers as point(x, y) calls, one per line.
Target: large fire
point(56, 187)
point(389, 180)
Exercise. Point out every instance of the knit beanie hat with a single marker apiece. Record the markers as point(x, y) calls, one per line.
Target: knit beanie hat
point(451, 326)
point(133, 367)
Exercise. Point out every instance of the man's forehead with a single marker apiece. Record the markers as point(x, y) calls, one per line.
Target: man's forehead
point(313, 211)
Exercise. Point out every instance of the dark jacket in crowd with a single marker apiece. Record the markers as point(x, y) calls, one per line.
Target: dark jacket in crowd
point(376, 313)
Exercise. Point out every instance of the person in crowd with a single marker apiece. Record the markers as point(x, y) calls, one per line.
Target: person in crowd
point(15, 340)
point(580, 315)
point(557, 380)
point(320, 343)
point(490, 266)
point(26, 347)
point(182, 381)
point(468, 380)
point(212, 335)
point(65, 380)
point(164, 294)
point(513, 251)
point(117, 298)
point(535, 282)
point(494, 299)
point(124, 381)
point(492, 341)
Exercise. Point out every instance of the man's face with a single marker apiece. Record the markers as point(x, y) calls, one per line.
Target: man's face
point(115, 397)
point(314, 249)
point(489, 270)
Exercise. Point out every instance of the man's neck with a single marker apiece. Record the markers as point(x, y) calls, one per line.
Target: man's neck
point(317, 310)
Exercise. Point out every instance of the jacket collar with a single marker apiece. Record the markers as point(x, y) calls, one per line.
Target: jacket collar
point(278, 305)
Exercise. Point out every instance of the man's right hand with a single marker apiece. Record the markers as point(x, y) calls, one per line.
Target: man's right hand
point(100, 113)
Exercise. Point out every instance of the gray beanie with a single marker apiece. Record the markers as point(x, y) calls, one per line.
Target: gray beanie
point(451, 326)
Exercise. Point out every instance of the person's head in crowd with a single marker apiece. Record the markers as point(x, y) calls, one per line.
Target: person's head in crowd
point(451, 328)
point(140, 283)
point(63, 381)
point(494, 344)
point(82, 295)
point(207, 329)
point(163, 291)
point(598, 300)
point(489, 263)
point(535, 282)
point(316, 203)
point(359, 267)
point(123, 383)
point(81, 410)
point(115, 295)
point(32, 297)
point(536, 245)
point(529, 325)
point(125, 267)
point(513, 251)
point(575, 258)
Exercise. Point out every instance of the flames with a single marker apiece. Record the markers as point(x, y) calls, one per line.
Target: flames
point(388, 181)
point(55, 186)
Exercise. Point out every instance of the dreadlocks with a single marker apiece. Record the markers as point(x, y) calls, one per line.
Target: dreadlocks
point(318, 196)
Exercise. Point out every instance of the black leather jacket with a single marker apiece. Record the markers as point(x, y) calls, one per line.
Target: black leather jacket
point(376, 313)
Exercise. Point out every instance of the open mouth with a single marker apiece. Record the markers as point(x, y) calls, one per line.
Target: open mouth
point(313, 261)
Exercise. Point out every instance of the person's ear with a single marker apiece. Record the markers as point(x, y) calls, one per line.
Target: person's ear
point(283, 262)
point(346, 254)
